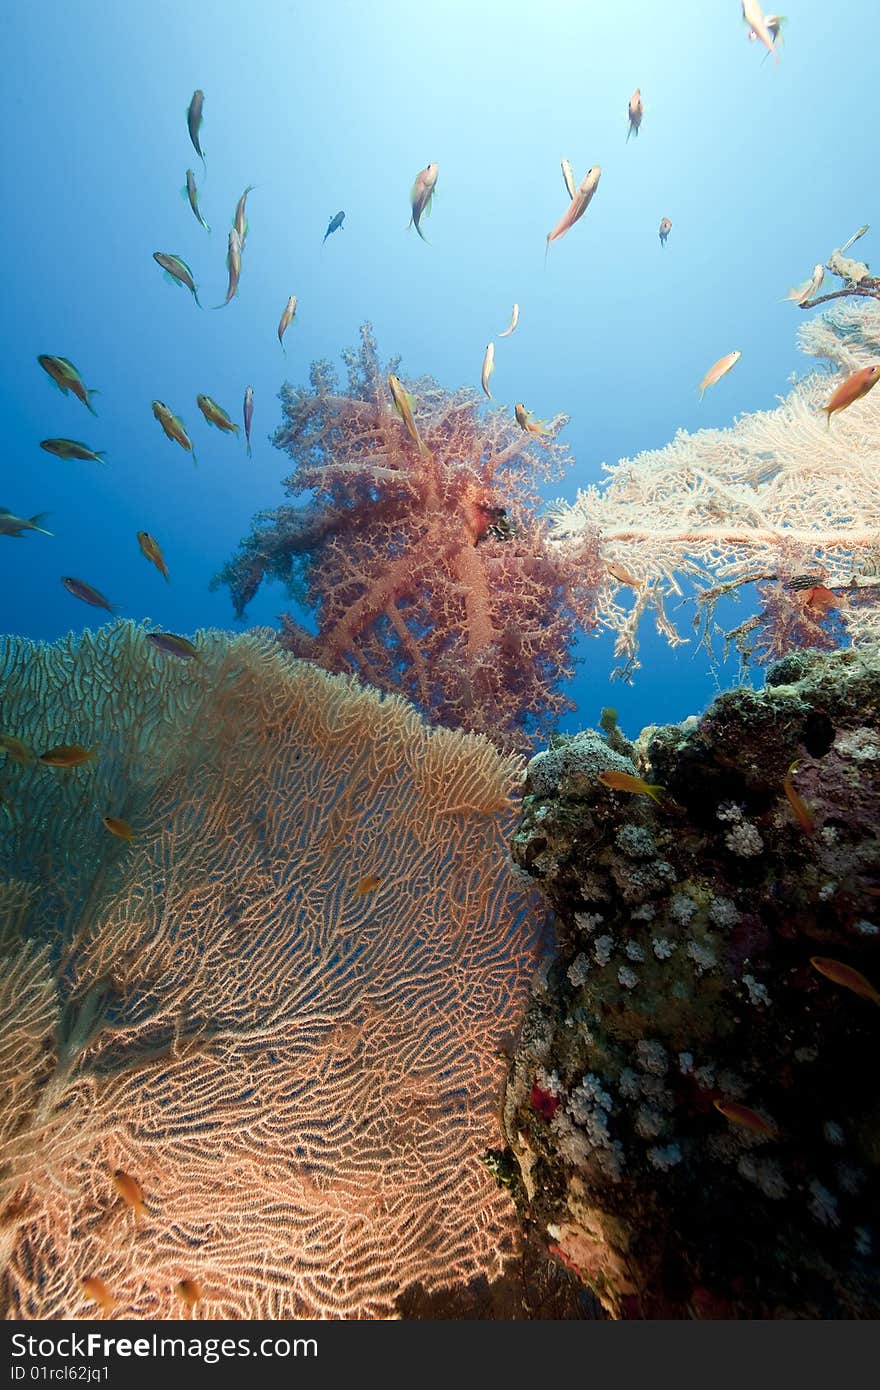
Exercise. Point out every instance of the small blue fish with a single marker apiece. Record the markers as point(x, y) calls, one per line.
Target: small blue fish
point(335, 223)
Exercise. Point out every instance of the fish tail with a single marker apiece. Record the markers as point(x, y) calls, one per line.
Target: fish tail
point(88, 401)
point(195, 292)
point(653, 790)
point(204, 164)
point(36, 522)
point(250, 452)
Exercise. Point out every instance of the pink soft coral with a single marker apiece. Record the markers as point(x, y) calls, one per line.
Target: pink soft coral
point(428, 570)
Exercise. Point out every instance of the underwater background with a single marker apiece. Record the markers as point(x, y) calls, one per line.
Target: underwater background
point(761, 168)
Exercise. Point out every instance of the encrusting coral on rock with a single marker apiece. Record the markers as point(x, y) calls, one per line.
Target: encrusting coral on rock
point(692, 1104)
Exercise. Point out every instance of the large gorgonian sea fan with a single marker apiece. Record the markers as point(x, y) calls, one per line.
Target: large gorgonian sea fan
point(278, 1011)
point(428, 570)
point(778, 500)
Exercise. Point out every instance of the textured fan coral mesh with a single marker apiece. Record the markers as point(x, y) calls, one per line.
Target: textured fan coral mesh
point(297, 1065)
point(427, 568)
point(776, 496)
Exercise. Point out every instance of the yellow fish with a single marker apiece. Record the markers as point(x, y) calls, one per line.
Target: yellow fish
point(367, 885)
point(120, 828)
point(189, 1291)
point(150, 551)
point(626, 782)
point(131, 1193)
point(403, 406)
point(96, 1289)
point(215, 414)
point(69, 755)
point(173, 427)
point(530, 426)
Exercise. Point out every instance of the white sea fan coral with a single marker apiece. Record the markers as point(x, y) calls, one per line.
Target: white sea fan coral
point(775, 495)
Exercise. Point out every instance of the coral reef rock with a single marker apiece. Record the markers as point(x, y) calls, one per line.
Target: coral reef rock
point(692, 1104)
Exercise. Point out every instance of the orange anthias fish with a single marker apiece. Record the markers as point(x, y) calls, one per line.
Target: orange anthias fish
point(150, 551)
point(635, 111)
point(845, 975)
point(626, 782)
point(97, 1290)
point(120, 828)
point(798, 805)
point(622, 575)
point(720, 369)
point(131, 1193)
point(526, 423)
point(189, 1291)
point(578, 205)
point(16, 750)
point(852, 390)
point(665, 229)
point(749, 1119)
point(68, 755)
point(367, 885)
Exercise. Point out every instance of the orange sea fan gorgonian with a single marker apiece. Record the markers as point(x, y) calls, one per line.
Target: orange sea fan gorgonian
point(278, 1011)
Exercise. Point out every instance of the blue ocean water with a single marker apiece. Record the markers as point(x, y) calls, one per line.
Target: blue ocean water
point(760, 167)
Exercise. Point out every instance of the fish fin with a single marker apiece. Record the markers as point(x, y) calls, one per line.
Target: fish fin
point(184, 193)
point(652, 789)
point(172, 279)
point(250, 452)
point(421, 233)
point(89, 406)
point(195, 294)
point(35, 522)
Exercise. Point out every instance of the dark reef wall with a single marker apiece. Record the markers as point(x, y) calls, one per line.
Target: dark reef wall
point(693, 1105)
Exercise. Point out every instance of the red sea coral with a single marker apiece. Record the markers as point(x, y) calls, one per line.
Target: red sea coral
point(427, 569)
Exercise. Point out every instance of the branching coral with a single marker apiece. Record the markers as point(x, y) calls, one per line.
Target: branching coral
point(427, 568)
point(278, 1011)
point(777, 497)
